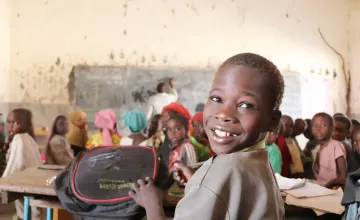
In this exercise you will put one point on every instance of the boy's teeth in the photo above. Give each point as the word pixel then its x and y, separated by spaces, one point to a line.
pixel 222 133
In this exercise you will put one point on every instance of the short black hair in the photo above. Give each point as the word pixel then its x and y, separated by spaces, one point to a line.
pixel 355 122
pixel 327 116
pixel 338 114
pixel 343 119
pixel 264 66
pixel 160 87
pixel 287 117
pixel 184 122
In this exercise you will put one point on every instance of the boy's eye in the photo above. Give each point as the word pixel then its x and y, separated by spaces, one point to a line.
pixel 245 105
pixel 215 99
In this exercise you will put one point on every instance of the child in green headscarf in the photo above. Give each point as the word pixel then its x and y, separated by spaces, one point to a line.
pixel 135 122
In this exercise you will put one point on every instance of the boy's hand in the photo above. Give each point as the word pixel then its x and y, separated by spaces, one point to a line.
pixel 183 173
pixel 146 194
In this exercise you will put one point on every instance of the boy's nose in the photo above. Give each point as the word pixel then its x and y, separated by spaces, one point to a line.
pixel 226 115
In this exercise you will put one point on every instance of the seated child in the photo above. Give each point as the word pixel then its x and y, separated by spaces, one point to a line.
pixel 135 122
pixel 181 148
pixel 23 151
pixel 330 155
pixel 356 148
pixel 273 149
pixel 296 166
pixel 168 111
pixel 341 131
pixel 199 138
pixel 153 125
pixel 105 120
pixel 285 153
pixel 2 145
pixel 58 150
pixel 238 182
pixel 77 135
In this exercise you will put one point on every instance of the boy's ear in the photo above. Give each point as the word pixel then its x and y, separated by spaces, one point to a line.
pixel 274 120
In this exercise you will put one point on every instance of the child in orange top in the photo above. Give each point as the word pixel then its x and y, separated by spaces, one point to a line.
pixel 181 148
pixel 330 155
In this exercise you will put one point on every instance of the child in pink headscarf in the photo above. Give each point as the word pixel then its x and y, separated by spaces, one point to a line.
pixel 105 120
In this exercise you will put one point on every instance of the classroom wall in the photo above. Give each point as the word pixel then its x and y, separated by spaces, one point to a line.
pixel 5 16
pixel 49 37
pixel 354 57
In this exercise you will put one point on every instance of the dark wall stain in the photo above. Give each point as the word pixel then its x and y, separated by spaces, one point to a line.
pixel 122 55
pixel 173 11
pixel 22 86
pixel 153 58
pixel 287 15
pixel 125 6
pixel 213 7
pixel 327 72
pixel 85 37
pixel 164 26
pixel 124 32
pixel 111 56
pixel 17 53
pixel 71 85
pixel 143 59
pixel 18 15
pixel 58 61
pixel 39 73
pixel 51 69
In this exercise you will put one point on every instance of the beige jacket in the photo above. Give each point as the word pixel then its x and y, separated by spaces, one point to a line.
pixel 237 186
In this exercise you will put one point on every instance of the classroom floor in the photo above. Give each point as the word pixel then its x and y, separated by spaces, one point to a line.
pixel 7 212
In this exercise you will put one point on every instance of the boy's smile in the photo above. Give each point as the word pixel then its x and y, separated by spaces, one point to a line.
pixel 239 109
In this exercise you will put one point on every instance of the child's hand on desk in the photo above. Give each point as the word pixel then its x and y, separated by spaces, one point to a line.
pixel 146 194
pixel 183 173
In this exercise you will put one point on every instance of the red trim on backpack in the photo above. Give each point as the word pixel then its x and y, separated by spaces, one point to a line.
pixel 108 200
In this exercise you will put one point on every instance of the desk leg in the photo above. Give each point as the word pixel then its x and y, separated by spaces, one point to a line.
pixel 49 214
pixel 26 208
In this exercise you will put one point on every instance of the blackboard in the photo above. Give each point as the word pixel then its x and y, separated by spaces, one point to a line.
pixel 123 88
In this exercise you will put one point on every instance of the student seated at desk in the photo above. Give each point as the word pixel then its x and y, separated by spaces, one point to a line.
pixel 23 151
pixel 135 122
pixel 105 120
pixel 199 138
pixel 182 149
pixel 330 155
pixel 77 136
pixel 273 149
pixel 2 145
pixel 237 183
pixel 58 150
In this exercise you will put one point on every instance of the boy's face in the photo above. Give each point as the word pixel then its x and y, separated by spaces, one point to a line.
pixel 239 109
pixel 321 129
pixel 175 132
pixel 299 127
pixel 165 116
pixel 270 137
pixel 340 131
pixel 13 125
pixel 288 126
pixel 62 126
pixel 356 140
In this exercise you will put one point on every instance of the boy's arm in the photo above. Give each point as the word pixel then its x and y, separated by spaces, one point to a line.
pixel 341 167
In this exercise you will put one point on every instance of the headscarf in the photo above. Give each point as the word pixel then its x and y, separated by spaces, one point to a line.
pixel 135 121
pixel 2 134
pixel 106 121
pixel 77 136
pixel 178 108
pixel 199 116
pixel 48 155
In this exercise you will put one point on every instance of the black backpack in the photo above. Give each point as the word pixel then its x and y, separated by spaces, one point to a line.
pixel 96 184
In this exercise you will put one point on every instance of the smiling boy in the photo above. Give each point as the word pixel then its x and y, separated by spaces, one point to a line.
pixel 237 183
